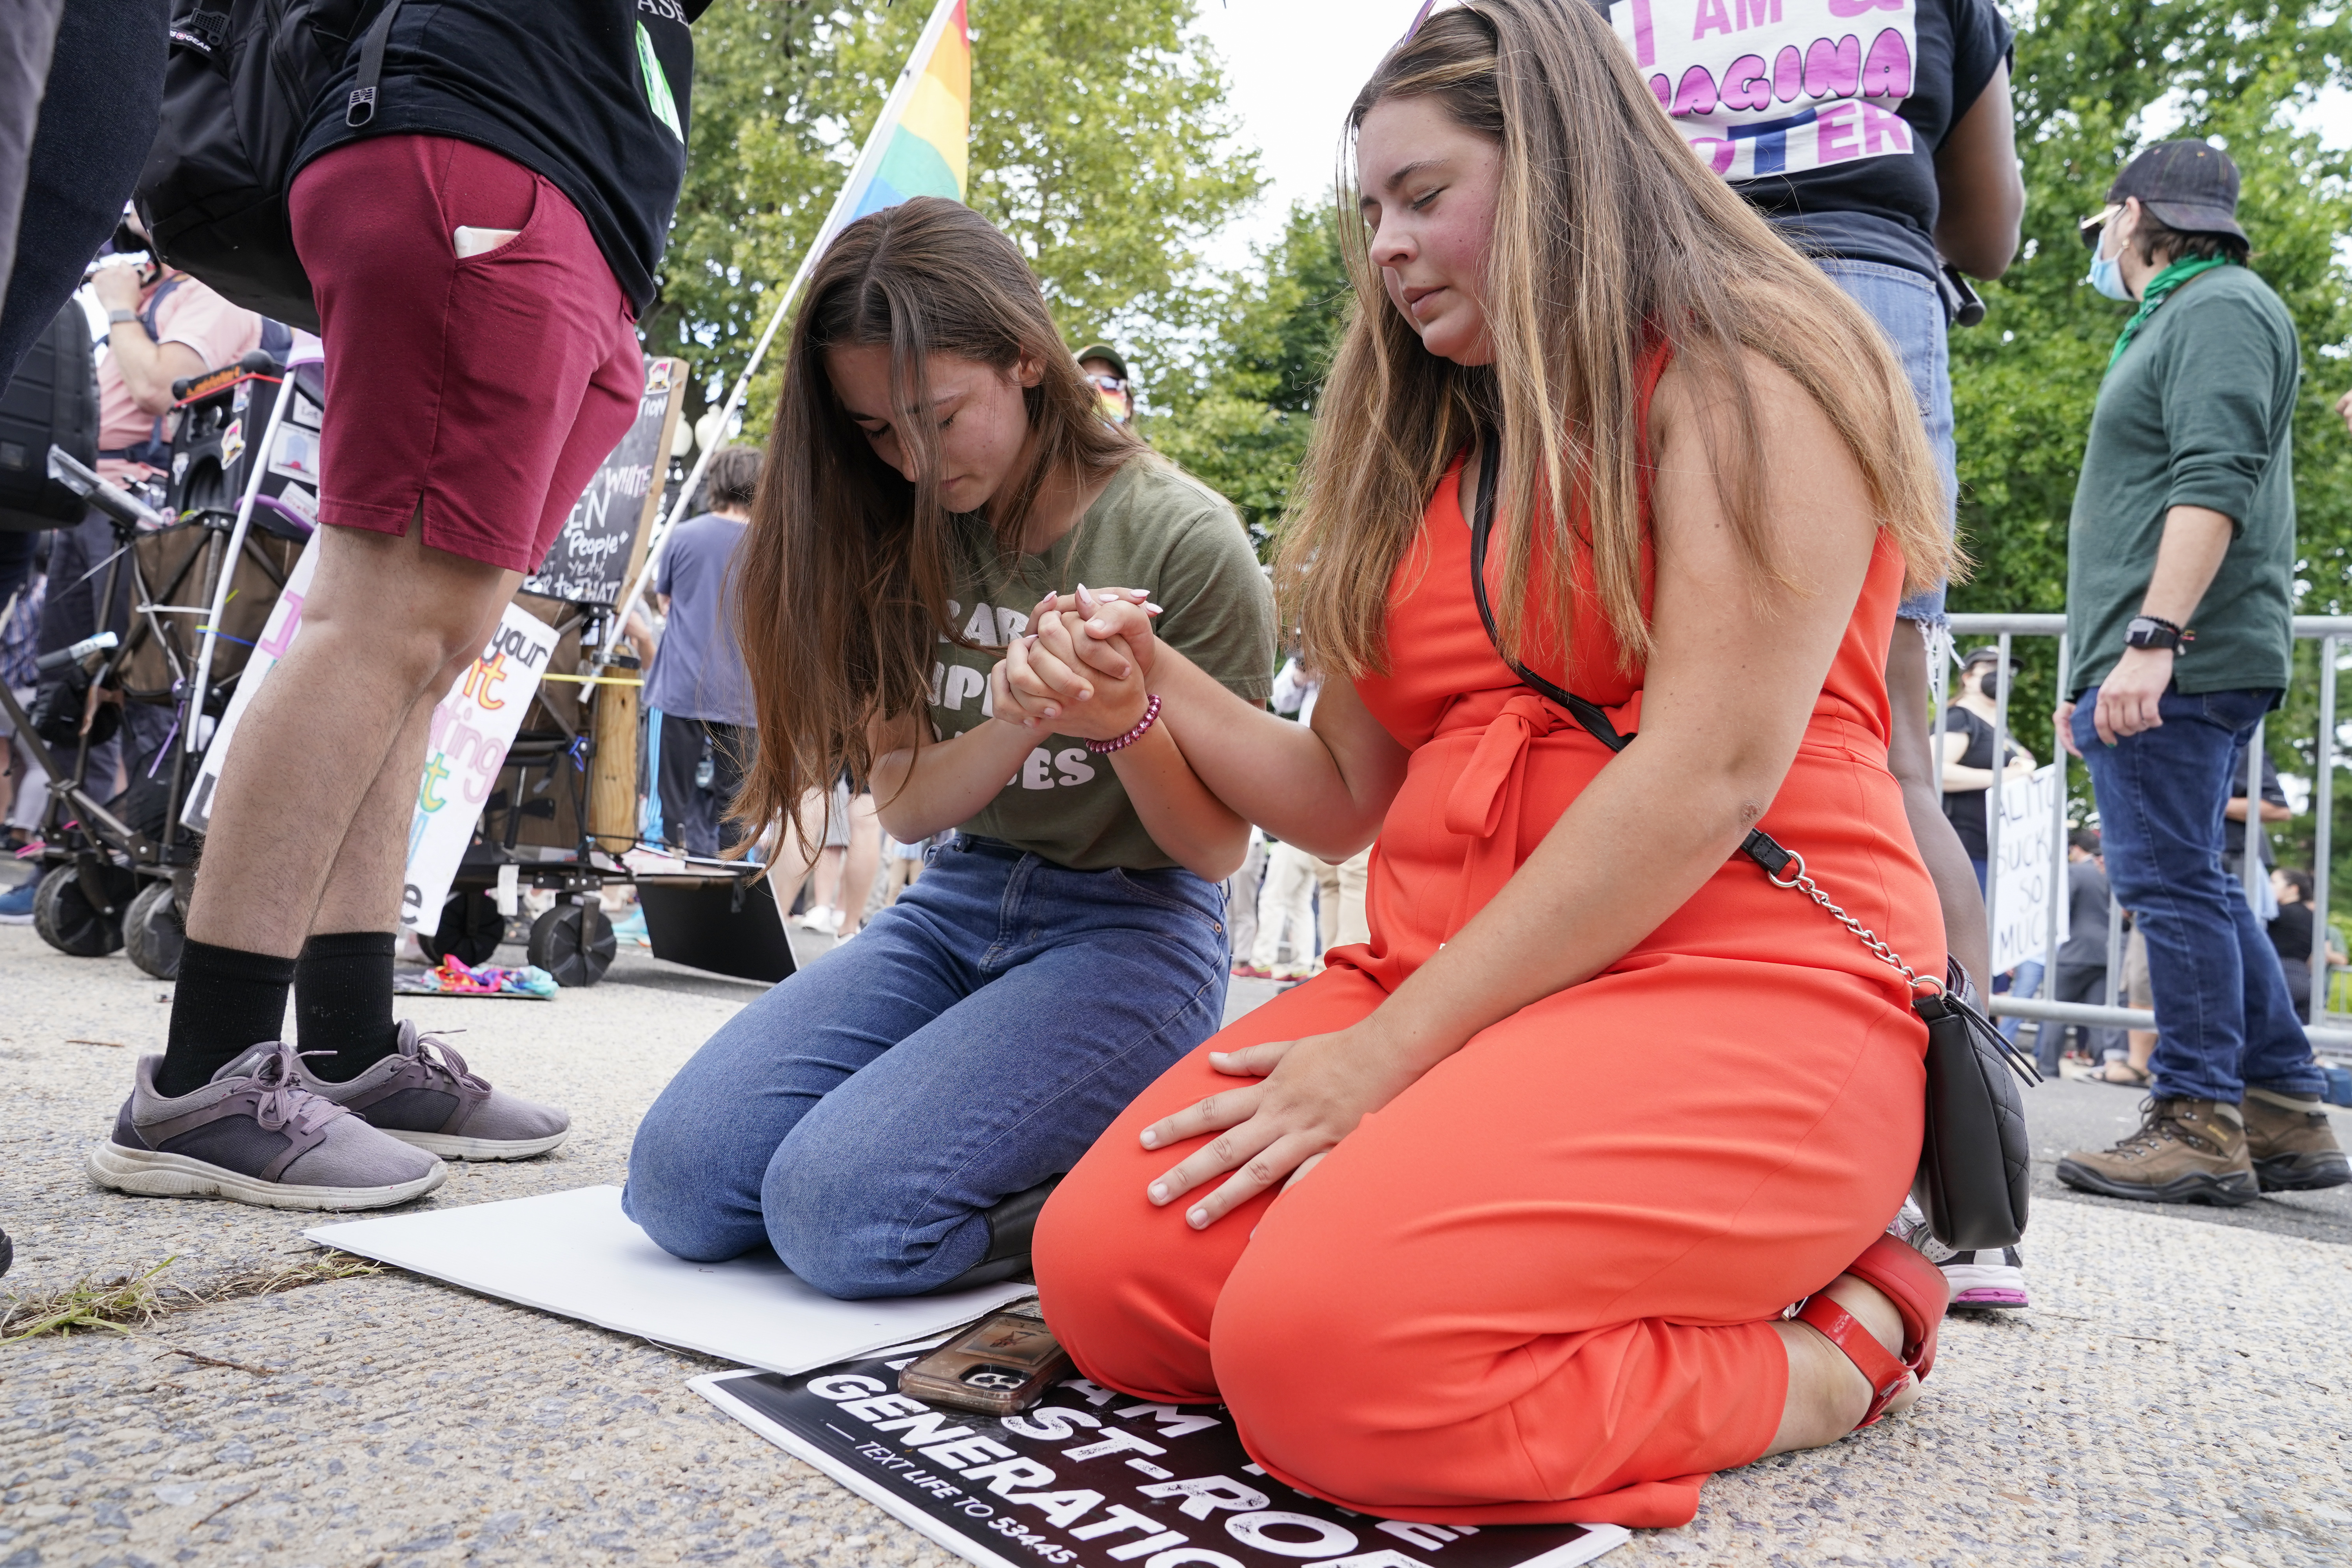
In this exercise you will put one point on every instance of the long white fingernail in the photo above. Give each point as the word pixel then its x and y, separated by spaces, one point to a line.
pixel 1151 609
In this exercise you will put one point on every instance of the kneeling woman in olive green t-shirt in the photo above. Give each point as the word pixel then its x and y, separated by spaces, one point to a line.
pixel 891 1118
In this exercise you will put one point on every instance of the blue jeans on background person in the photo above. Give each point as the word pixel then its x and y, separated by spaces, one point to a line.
pixel 1909 310
pixel 2025 983
pixel 2224 1020
pixel 972 1042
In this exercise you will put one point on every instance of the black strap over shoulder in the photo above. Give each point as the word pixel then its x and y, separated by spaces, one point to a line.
pixel 1760 847
pixel 360 106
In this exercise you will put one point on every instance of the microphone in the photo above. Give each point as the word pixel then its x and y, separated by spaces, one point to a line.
pixel 76 653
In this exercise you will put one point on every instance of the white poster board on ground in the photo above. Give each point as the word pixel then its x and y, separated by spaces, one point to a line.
pixel 2025 881
pixel 472 728
pixel 576 1255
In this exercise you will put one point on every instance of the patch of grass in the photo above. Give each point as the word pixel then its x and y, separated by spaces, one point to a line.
pixel 126 1303
pixel 85 1306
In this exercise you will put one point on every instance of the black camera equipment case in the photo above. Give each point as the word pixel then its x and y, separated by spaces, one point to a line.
pixel 52 401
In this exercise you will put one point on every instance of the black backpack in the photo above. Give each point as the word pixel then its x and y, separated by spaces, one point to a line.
pixel 52 401
pixel 239 86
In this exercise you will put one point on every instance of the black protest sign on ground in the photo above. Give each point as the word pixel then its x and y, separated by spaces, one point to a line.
pixel 1091 1478
pixel 601 542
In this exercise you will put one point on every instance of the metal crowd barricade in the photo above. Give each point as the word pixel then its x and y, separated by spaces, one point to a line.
pixel 2329 631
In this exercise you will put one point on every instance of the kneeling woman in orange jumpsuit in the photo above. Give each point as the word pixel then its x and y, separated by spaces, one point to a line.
pixel 1498 1220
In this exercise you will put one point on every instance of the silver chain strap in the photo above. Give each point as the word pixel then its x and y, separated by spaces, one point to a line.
pixel 1801 883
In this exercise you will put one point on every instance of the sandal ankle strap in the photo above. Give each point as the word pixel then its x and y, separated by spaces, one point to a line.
pixel 1887 1375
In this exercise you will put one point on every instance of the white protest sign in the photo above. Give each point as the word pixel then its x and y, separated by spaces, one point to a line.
pixel 2024 880
pixel 277 634
pixel 472 728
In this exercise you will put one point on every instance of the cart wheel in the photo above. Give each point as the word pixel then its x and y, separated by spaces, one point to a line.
pixel 152 931
pixel 67 922
pixel 574 942
pixel 471 928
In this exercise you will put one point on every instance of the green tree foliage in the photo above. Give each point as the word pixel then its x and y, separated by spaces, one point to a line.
pixel 2094 81
pixel 1097 142
pixel 1241 420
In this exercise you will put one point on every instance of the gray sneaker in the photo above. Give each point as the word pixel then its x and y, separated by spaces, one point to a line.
pixel 256 1134
pixel 423 1095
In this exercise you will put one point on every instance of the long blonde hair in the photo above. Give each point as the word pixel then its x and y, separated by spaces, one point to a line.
pixel 1611 239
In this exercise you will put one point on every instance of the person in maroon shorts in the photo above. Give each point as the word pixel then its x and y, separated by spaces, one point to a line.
pixel 479 250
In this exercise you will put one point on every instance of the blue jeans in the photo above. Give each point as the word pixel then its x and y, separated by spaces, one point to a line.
pixel 2224 1020
pixel 2026 984
pixel 972 1042
pixel 1910 311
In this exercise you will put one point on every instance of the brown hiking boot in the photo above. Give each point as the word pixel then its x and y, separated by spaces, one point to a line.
pixel 2185 1152
pixel 2292 1143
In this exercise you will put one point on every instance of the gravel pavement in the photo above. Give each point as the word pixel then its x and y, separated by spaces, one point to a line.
pixel 2181 1391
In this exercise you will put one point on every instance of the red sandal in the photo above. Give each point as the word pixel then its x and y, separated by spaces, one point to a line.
pixel 1920 1293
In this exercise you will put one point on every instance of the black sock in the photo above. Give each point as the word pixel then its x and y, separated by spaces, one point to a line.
pixel 224 1003
pixel 343 1002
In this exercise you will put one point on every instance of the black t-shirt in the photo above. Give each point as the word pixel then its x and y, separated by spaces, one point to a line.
pixel 1824 114
pixel 2290 931
pixel 590 94
pixel 1965 808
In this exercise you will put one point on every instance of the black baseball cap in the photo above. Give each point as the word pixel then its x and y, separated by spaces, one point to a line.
pixel 2190 185
pixel 1990 653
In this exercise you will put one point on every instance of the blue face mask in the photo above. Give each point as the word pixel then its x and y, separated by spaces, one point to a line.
pixel 2106 275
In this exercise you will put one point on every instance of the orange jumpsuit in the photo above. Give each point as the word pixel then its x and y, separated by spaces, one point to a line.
pixel 1538 1286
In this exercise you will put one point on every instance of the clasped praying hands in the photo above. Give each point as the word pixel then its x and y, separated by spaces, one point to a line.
pixel 1057 677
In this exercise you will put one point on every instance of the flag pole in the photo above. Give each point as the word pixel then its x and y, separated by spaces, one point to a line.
pixel 869 158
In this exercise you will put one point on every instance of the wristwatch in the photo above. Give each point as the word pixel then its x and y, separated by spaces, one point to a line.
pixel 2154 631
pixel 116 318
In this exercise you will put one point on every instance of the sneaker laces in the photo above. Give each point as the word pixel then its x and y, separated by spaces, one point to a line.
pixel 444 1059
pixel 283 1100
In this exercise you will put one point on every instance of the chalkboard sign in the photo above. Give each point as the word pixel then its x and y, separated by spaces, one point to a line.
pixel 602 542
pixel 1097 1480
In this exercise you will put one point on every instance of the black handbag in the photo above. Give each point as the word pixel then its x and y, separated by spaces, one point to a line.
pixel 1975 1171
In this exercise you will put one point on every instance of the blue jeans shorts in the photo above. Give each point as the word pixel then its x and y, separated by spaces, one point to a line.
pixel 1910 311
pixel 971 1042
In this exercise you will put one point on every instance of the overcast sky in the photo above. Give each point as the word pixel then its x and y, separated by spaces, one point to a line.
pixel 1295 66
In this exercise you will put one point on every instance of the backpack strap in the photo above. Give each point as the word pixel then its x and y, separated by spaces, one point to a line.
pixel 1759 845
pixel 360 108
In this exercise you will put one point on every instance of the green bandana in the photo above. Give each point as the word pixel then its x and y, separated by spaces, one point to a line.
pixel 2158 287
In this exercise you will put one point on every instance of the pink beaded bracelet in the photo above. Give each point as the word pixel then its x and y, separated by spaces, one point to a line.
pixel 1150 717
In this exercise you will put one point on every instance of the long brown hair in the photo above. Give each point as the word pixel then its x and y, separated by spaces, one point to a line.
pixel 846 568
pixel 1610 236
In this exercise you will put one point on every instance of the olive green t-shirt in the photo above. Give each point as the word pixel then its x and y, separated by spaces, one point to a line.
pixel 1155 528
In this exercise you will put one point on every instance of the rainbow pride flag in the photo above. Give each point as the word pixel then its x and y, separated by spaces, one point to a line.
pixel 919 146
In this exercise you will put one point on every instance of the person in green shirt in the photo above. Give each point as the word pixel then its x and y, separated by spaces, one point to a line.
pixel 891 1119
pixel 2180 570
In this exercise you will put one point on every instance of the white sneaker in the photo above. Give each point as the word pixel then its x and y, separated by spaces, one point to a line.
pixel 1986 1278
pixel 820 918
pixel 1977 1279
